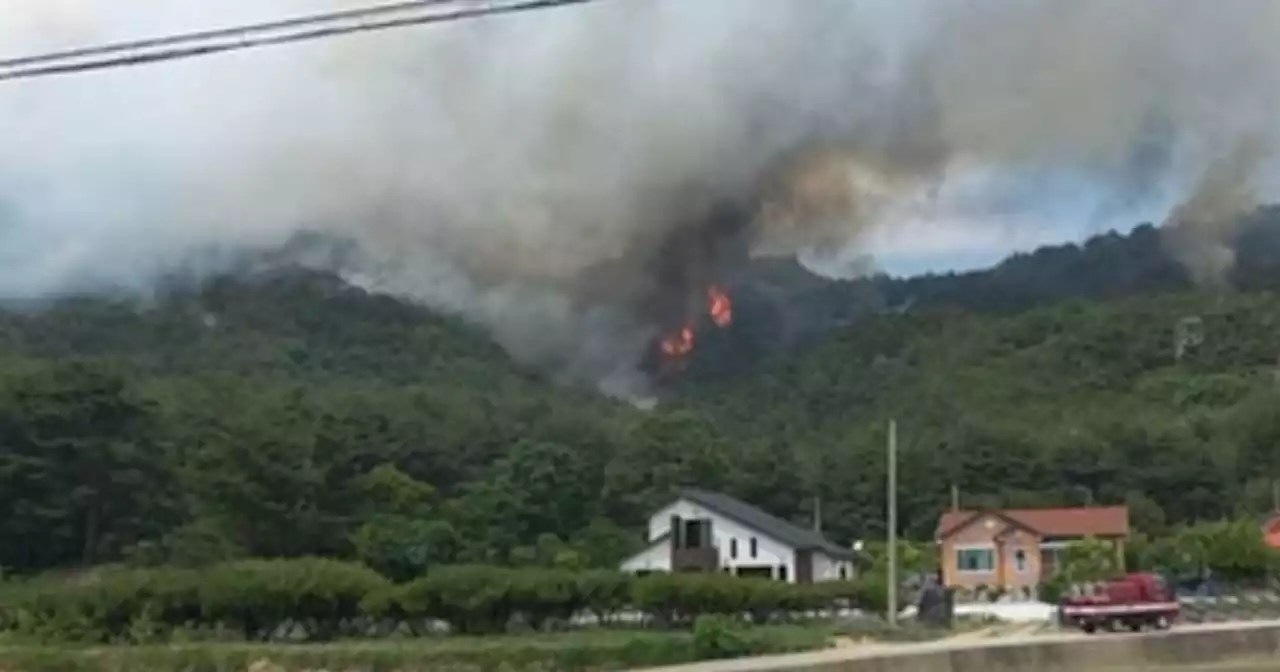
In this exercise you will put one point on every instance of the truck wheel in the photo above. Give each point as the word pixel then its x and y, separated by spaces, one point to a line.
pixel 1135 625
pixel 1088 627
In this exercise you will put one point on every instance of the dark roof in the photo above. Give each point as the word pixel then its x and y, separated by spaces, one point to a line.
pixel 771 526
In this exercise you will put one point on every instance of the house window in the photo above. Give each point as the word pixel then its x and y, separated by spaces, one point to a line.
pixel 1020 560
pixel 754 549
pixel 693 530
pixel 733 549
pixel 975 559
pixel 1049 558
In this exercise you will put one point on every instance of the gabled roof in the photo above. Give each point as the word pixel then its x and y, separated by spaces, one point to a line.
pixel 1085 521
pixel 797 537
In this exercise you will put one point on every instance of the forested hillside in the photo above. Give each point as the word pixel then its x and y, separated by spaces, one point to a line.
pixel 287 414
pixel 784 309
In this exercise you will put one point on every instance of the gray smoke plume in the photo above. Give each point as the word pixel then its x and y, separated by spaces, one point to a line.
pixel 572 178
pixel 1201 230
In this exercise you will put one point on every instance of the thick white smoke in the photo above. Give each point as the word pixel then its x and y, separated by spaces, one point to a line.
pixel 498 160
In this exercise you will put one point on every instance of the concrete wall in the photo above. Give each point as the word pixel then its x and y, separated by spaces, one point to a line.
pixel 1200 645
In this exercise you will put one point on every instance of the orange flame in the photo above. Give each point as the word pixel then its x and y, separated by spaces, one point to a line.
pixel 678 344
pixel 719 307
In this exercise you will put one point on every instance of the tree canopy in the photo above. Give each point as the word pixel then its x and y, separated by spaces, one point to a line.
pixel 287 414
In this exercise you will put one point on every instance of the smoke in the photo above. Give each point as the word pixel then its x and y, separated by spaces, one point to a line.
pixel 1202 229
pixel 569 178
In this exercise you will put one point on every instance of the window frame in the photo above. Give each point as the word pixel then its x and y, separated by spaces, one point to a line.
pixel 988 549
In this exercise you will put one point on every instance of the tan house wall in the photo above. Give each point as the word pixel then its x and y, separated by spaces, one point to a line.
pixel 977 534
pixel 1026 576
pixel 1006 542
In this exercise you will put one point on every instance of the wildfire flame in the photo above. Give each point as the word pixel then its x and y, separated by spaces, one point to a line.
pixel 678 345
pixel 719 307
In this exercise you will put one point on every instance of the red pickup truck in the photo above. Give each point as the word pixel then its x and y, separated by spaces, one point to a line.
pixel 1133 602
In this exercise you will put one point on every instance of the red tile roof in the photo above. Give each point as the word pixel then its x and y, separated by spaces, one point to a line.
pixel 1096 521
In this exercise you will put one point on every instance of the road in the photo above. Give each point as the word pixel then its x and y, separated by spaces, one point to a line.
pixel 817 659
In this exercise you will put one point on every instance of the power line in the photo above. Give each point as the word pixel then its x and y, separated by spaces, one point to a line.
pixel 189 45
pixel 366 12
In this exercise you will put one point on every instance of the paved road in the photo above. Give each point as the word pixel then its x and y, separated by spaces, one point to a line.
pixel 1256 666
pixel 829 656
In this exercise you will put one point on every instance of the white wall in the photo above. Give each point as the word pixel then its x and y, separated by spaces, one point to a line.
pixel 827 568
pixel 769 552
pixel 656 558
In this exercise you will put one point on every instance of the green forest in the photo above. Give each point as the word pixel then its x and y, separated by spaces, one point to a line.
pixel 287 414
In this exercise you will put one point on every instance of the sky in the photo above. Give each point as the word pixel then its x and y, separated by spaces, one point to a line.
pixel 521 172
pixel 1049 206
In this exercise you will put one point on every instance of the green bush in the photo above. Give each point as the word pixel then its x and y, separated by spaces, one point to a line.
pixel 1054 589
pixel 482 600
pixel 318 600
pixel 719 637
pixel 605 592
pixel 257 597
pixel 471 599
pixel 680 598
pixel 870 592
pixel 595 650
pixel 260 597
pixel 104 607
pixel 545 595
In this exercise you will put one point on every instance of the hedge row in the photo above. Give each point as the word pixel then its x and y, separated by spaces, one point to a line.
pixel 318 600
pixel 255 598
pixel 583 651
pixel 477 600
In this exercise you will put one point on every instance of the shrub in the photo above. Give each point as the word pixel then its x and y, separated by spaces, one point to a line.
pixel 263 600
pixel 871 592
pixel 545 595
pixel 104 607
pixel 576 651
pixel 1054 589
pixel 260 597
pixel 719 637
pixel 472 599
pixel 605 592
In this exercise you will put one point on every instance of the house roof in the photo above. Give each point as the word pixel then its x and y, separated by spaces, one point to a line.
pixel 1085 521
pixel 797 537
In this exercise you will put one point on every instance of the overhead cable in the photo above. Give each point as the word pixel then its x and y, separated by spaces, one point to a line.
pixel 317 26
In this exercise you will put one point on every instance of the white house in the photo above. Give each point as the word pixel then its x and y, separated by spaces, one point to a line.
pixel 709 531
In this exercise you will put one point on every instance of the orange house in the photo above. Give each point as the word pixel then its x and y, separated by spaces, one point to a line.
pixel 1271 531
pixel 1015 549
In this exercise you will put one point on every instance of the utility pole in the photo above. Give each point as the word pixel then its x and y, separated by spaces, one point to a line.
pixel 893 523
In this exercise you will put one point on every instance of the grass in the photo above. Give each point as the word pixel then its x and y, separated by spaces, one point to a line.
pixel 594 651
